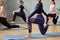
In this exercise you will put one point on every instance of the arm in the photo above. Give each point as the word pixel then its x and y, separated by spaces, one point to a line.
pixel 36 10
pixel 46 16
pixel 33 13
pixel 2 9
pixel 26 10
pixel 44 13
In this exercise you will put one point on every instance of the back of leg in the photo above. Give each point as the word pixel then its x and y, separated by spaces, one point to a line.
pixel 40 23
pixel 23 16
pixel 5 23
pixel 55 20
pixel 14 16
pixel 41 28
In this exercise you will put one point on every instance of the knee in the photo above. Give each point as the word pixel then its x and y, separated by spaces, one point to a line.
pixel 28 21
pixel 14 14
pixel 43 33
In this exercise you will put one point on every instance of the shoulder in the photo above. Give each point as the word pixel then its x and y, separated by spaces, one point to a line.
pixel 21 6
pixel 2 7
pixel 41 4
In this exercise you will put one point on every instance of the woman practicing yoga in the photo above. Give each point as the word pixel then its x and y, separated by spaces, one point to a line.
pixel 3 19
pixel 38 20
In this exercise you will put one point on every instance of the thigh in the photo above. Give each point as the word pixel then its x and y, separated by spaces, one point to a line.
pixel 21 14
pixel 17 14
pixel 4 21
pixel 37 21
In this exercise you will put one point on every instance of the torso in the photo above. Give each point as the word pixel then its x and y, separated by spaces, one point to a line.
pixel 39 11
pixel 21 7
pixel 1 11
pixel 52 9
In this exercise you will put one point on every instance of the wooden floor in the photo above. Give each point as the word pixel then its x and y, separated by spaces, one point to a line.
pixel 35 31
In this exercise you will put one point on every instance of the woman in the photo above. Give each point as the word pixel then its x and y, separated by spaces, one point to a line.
pixel 38 20
pixel 52 13
pixel 3 20
pixel 20 11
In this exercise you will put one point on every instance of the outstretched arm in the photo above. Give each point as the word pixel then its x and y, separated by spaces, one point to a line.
pixel 45 13
pixel 27 10
pixel 36 10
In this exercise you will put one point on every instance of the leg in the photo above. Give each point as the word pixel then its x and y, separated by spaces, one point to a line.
pixel 37 21
pixel 40 23
pixel 47 19
pixel 15 14
pixel 32 20
pixel 29 23
pixel 23 16
pixel 55 19
pixel 5 23
pixel 43 29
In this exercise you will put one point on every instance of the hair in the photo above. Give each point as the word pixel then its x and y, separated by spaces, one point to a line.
pixel 20 1
pixel 39 0
pixel 2 3
pixel 53 1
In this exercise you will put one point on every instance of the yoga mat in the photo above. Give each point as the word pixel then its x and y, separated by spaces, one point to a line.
pixel 34 36
pixel 18 23
pixel 54 25
pixel 21 28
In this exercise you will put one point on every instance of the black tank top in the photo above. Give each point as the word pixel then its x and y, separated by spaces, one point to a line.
pixel 21 7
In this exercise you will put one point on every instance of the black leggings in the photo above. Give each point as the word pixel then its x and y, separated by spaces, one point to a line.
pixel 5 23
pixel 40 21
pixel 54 18
pixel 21 14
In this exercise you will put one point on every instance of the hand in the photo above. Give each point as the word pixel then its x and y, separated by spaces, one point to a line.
pixel 27 20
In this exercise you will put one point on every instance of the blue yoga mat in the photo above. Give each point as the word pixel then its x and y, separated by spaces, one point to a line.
pixel 34 36
pixel 54 25
pixel 53 34
pixel 14 37
pixel 18 23
pixel 21 28
pixel 24 23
